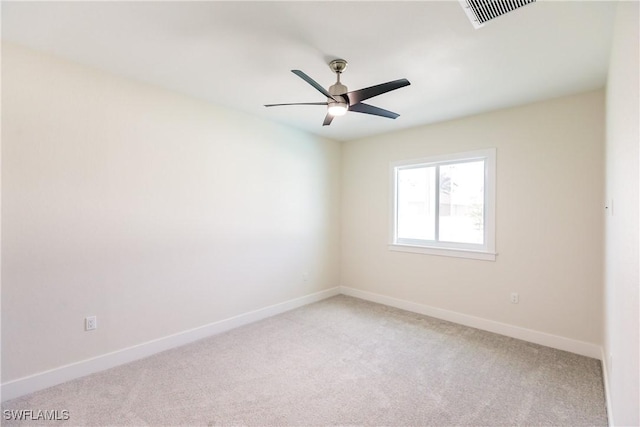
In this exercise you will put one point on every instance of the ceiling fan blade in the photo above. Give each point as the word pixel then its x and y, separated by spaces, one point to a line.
pixel 313 83
pixel 327 120
pixel 359 95
pixel 370 109
pixel 297 103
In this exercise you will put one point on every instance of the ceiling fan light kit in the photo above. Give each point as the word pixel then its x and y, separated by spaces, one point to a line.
pixel 337 109
pixel 340 100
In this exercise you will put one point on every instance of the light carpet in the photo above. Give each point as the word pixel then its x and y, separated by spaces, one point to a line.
pixel 341 361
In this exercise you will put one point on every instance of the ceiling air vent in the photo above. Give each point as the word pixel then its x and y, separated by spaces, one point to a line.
pixel 481 11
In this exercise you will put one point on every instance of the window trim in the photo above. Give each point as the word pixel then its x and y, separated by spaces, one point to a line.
pixel 460 250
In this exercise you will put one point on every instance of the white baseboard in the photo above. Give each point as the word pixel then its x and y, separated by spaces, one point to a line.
pixel 42 380
pixel 542 338
pixel 607 391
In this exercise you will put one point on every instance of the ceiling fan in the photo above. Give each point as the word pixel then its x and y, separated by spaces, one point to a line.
pixel 339 100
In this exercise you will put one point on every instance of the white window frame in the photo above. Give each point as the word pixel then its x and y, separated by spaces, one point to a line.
pixel 484 251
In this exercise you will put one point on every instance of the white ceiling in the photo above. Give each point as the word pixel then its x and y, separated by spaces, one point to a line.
pixel 239 54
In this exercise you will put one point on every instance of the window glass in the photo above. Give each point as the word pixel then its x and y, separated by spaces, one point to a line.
pixel 462 202
pixel 417 203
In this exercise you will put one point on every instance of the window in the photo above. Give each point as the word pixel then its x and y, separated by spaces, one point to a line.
pixel 445 205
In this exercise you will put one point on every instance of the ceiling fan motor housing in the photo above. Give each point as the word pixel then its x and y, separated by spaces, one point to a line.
pixel 340 105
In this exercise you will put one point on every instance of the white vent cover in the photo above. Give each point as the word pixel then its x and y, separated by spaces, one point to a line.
pixel 481 11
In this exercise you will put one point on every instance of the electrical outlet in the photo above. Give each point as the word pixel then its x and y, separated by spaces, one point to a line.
pixel 515 298
pixel 90 323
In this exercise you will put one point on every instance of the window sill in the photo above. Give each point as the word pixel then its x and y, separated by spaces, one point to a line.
pixel 458 253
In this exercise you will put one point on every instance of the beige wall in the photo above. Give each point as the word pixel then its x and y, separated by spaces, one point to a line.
pixel 622 280
pixel 550 175
pixel 155 212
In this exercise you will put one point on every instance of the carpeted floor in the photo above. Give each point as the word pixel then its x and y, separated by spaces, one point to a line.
pixel 342 361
